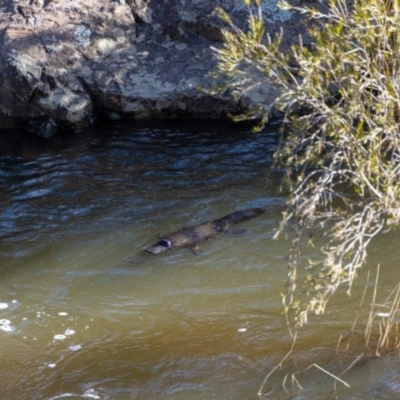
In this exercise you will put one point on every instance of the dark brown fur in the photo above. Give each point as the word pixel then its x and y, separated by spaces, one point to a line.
pixel 195 234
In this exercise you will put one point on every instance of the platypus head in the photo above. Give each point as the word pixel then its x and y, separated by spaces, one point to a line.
pixel 160 247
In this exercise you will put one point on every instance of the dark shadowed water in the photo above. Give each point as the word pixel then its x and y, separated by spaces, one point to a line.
pixel 85 314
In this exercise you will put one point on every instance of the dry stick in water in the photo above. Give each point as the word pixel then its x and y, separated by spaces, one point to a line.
pixel 327 372
pixel 348 368
pixel 260 391
pixel 389 323
pixel 295 381
pixel 370 318
pixel 333 376
pixel 388 319
pixel 361 303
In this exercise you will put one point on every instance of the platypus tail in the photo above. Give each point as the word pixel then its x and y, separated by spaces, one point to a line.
pixel 225 223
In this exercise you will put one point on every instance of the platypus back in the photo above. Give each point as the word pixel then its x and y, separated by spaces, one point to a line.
pixel 196 234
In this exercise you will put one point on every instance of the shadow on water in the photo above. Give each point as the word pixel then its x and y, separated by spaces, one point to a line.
pixel 84 313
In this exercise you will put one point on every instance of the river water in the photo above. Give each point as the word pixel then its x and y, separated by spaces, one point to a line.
pixel 86 314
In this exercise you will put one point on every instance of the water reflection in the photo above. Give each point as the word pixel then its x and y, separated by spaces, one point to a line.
pixel 90 316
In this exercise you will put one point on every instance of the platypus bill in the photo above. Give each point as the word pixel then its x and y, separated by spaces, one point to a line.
pixel 191 236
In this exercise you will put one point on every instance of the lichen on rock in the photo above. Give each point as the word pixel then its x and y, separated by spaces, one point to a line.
pixel 70 61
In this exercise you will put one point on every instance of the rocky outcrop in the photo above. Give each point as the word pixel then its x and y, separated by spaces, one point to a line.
pixel 65 62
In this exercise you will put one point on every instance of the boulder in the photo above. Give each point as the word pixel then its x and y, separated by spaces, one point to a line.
pixel 63 63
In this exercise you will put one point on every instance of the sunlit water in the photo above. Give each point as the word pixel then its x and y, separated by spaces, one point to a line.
pixel 86 314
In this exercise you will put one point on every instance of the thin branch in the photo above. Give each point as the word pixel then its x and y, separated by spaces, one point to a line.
pixel 260 391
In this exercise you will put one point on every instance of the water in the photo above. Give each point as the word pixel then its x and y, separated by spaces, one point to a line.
pixel 86 314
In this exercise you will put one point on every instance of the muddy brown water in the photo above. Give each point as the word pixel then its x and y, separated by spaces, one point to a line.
pixel 86 314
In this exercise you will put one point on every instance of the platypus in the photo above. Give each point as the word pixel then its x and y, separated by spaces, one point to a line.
pixel 193 235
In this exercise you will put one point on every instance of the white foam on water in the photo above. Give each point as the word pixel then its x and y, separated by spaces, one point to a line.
pixel 91 394
pixel 51 365
pixel 88 394
pixel 62 314
pixel 7 328
pixel 61 396
pixel 69 332
pixel 3 306
pixel 75 347
pixel 59 337
pixel 242 330
pixel 4 322
pixel 383 314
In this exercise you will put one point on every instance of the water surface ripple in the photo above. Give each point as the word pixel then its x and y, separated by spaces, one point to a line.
pixel 85 314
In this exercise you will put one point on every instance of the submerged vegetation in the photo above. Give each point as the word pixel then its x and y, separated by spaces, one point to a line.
pixel 340 144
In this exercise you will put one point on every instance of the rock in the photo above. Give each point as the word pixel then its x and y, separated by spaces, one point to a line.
pixel 64 62
pixel 142 10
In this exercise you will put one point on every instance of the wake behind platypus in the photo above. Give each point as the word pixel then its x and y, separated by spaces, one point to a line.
pixel 192 236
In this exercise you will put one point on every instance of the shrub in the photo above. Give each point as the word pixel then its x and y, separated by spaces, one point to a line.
pixel 340 143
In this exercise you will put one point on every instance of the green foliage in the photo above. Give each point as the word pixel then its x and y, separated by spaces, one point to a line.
pixel 340 144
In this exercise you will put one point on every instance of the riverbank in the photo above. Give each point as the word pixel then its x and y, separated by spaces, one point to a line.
pixel 65 64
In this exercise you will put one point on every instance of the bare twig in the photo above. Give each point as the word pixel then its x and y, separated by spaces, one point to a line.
pixel 260 391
